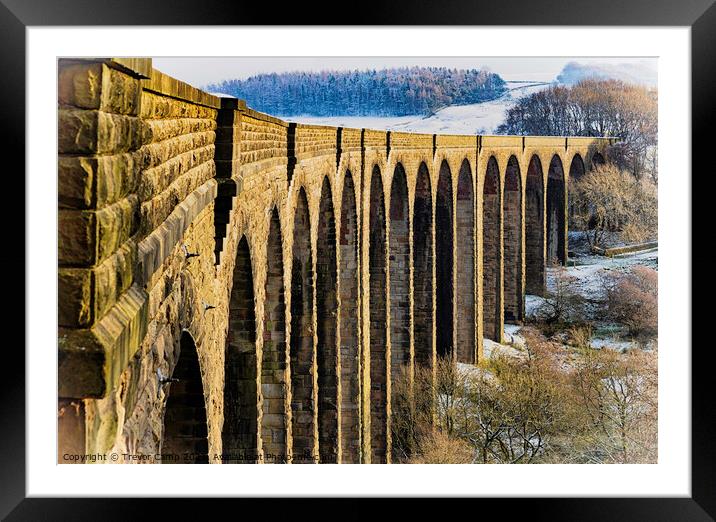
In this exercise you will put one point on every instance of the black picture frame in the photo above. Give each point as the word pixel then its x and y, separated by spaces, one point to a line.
pixel 699 15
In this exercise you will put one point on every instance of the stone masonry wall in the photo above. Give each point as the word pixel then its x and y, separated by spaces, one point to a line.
pixel 242 289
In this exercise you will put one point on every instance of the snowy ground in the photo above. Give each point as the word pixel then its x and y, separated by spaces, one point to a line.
pixel 479 118
pixel 587 271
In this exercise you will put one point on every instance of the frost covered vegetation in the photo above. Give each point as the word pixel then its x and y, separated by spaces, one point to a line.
pixel 594 108
pixel 608 202
pixel 577 383
pixel 544 402
pixel 386 92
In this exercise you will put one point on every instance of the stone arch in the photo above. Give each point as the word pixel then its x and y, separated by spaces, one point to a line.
pixel 465 276
pixel 576 171
pixel 556 251
pixel 350 368
pixel 378 316
pixel 301 342
pixel 534 228
pixel 185 431
pixel 239 432
pixel 597 159
pixel 491 252
pixel 576 168
pixel 444 263
pixel 512 242
pixel 273 360
pixel 326 316
pixel 399 267
pixel 423 269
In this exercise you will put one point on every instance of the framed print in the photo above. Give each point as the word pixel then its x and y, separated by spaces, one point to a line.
pixel 429 243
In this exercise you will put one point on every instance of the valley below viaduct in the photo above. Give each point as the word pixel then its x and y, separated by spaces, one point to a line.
pixel 237 288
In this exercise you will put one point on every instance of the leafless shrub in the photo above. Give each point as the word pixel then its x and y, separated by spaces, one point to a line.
pixel 580 336
pixel 564 303
pixel 632 299
pixel 436 447
pixel 617 396
pixel 601 406
pixel 609 199
pixel 412 411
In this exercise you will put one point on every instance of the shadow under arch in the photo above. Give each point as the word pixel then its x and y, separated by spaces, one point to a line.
pixel 491 252
pixel 556 213
pixel 239 431
pixel 423 269
pixel 399 266
pixel 273 360
pixel 326 319
pixel 348 284
pixel 301 347
pixel 576 172
pixel 534 228
pixel 512 242
pixel 377 311
pixel 465 276
pixel 185 431
pixel 597 159
pixel 444 263
pixel 399 297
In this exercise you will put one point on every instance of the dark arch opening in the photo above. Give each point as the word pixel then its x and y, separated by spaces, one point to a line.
pixel 273 361
pixel 576 171
pixel 534 229
pixel 512 242
pixel 185 429
pixel 350 378
pixel 326 310
pixel 399 260
pixel 443 263
pixel 239 432
pixel 301 343
pixel 465 285
pixel 399 266
pixel 378 316
pixel 597 159
pixel 556 252
pixel 491 252
pixel 423 269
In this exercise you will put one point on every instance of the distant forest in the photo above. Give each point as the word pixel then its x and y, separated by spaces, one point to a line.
pixel 388 92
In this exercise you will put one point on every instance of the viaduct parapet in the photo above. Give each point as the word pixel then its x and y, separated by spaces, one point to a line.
pixel 237 288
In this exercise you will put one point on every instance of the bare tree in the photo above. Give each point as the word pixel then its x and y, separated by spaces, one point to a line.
pixel 594 107
pixel 608 199
pixel 618 395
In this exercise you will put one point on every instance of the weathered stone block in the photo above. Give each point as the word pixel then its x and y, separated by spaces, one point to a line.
pixel 96 181
pixel 121 94
pixel 76 242
pixel 95 85
pixel 90 361
pixel 95 132
pixel 75 287
pixel 115 225
pixel 80 85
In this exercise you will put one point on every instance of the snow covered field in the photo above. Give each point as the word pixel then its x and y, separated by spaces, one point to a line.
pixel 586 271
pixel 478 118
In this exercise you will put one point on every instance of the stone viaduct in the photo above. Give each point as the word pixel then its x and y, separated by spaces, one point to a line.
pixel 236 288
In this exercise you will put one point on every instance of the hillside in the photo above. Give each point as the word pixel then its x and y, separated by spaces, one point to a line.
pixel 474 118
pixel 387 92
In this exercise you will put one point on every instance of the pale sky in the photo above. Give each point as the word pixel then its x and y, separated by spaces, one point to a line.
pixel 201 71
